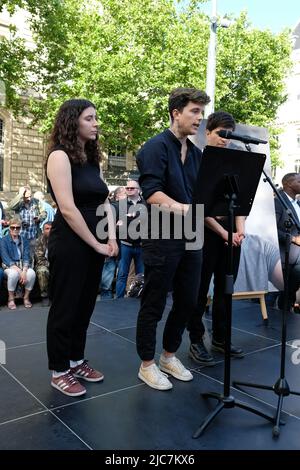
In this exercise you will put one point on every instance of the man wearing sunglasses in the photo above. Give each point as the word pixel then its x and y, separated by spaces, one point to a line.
pixel 130 249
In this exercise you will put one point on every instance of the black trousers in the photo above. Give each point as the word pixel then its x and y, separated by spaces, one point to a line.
pixel 75 271
pixel 214 263
pixel 168 266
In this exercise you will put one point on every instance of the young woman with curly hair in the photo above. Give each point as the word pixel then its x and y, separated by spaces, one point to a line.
pixel 75 253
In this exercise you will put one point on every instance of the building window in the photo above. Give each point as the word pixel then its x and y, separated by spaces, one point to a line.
pixel 1 152
pixel 297 166
pixel 117 158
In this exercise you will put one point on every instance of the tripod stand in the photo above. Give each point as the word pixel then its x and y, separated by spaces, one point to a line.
pixel 281 386
pixel 226 400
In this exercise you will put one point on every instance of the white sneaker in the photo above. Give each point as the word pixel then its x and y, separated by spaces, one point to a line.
pixel 174 367
pixel 153 377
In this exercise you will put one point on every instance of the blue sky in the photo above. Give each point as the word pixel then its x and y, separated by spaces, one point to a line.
pixel 263 14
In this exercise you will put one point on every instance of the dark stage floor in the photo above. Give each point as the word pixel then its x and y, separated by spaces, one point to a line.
pixel 122 412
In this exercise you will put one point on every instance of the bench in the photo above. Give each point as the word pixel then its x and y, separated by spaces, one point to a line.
pixel 260 294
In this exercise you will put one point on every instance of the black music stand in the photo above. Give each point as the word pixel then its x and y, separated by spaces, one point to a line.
pixel 281 387
pixel 226 185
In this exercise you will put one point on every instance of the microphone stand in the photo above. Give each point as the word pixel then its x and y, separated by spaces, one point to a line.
pixel 225 399
pixel 281 386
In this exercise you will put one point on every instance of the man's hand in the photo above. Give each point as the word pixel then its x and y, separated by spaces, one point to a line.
pixel 22 190
pixel 296 240
pixel 176 207
pixel 113 247
pixel 23 278
pixel 102 249
pixel 16 268
pixel 236 240
pixel 242 236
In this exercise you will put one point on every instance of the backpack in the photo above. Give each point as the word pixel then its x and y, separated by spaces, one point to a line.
pixel 136 286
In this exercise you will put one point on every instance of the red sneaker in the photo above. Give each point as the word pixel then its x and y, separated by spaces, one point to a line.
pixel 85 372
pixel 68 385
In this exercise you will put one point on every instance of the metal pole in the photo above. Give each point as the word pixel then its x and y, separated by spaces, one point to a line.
pixel 211 60
pixel 2 93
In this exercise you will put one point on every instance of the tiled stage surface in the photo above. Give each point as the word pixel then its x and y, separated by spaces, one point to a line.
pixel 123 413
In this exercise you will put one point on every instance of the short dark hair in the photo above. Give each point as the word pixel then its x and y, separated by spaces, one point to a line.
pixel 220 119
pixel 180 97
pixel 288 177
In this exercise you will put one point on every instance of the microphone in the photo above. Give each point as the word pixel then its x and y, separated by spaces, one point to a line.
pixel 226 134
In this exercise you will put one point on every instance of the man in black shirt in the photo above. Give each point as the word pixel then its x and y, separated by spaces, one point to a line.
pixel 168 164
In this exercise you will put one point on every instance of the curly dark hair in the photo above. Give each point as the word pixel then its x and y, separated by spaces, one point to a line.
pixel 65 132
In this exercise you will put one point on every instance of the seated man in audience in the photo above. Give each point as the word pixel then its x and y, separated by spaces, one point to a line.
pixel 289 191
pixel 42 263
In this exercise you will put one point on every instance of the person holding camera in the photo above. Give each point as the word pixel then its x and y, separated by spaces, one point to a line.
pixel 31 214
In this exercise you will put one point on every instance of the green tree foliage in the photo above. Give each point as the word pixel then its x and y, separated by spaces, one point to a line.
pixel 251 69
pixel 126 55
pixel 22 68
pixel 12 70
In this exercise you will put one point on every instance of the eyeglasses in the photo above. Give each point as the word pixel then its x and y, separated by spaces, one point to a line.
pixel 129 188
pixel 15 227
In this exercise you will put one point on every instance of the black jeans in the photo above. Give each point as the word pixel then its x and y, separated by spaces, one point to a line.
pixel 214 263
pixel 168 266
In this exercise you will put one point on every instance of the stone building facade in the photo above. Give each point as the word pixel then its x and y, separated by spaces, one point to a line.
pixel 22 155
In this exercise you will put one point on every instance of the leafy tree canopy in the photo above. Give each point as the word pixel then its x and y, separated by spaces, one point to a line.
pixel 126 56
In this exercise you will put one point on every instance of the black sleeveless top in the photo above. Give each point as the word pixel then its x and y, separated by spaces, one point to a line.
pixel 89 191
